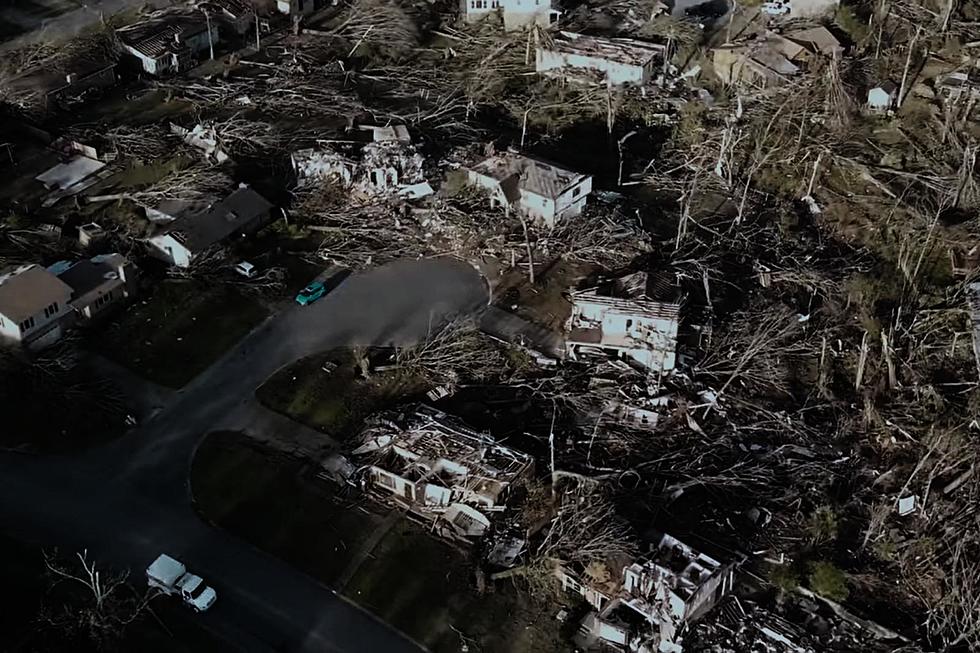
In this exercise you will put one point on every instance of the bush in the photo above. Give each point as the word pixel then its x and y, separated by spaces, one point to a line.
pixel 784 577
pixel 828 581
pixel 822 525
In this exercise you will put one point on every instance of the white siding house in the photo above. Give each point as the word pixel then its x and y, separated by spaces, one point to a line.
pixel 541 190
pixel 517 14
pixel 882 97
pixel 592 58
pixel 33 303
pixel 636 329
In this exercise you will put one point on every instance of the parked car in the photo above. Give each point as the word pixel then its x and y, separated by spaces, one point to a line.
pixel 311 293
pixel 246 269
pixel 170 576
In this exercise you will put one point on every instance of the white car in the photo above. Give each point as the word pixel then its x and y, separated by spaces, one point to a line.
pixel 170 576
pixel 246 269
pixel 195 593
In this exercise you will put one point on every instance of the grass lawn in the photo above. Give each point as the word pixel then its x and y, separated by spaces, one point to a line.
pixel 179 331
pixel 420 585
pixel 335 402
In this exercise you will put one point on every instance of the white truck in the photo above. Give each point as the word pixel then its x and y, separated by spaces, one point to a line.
pixel 171 577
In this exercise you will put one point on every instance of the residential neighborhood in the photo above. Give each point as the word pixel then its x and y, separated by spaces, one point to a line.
pixel 517 326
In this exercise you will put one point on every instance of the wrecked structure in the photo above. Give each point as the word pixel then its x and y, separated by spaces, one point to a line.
pixel 638 330
pixel 647 602
pixel 517 14
pixel 241 213
pixel 388 163
pixel 543 191
pixel 774 57
pixel 615 61
pixel 423 460
pixel 169 42
pixel 800 8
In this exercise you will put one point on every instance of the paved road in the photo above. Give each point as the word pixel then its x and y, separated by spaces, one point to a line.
pixel 37 26
pixel 128 501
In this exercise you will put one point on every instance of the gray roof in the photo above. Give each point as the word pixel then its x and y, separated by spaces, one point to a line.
pixel 88 274
pixel 27 291
pixel 238 212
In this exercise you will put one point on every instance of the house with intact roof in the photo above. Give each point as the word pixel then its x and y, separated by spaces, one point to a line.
pixel 33 305
pixel 238 215
pixel 97 283
pixel 540 190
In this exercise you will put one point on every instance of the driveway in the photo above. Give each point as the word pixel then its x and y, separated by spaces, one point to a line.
pixel 128 500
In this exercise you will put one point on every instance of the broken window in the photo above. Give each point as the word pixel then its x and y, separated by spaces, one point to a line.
pixel 385 480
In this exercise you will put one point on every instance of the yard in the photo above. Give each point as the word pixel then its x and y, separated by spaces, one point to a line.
pixel 383 562
pixel 335 402
pixel 179 331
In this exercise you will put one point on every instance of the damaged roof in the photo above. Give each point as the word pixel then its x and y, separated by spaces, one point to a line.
pixel 161 34
pixel 629 52
pixel 219 221
pixel 517 172
pixel 634 307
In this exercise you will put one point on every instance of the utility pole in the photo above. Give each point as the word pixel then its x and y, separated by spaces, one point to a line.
pixel 257 43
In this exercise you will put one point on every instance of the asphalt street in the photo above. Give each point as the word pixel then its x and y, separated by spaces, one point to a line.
pixel 129 500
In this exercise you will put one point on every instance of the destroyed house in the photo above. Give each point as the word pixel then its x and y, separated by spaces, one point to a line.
pixel 240 214
pixel 591 58
pixel 960 84
pixel 235 16
pixel 440 470
pixel 641 331
pixel 169 42
pixel 542 191
pixel 759 64
pixel 655 597
pixel 516 14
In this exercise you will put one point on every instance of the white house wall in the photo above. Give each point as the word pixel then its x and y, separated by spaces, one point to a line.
pixel 517 14
pixel 171 251
pixel 616 72
pixel 9 330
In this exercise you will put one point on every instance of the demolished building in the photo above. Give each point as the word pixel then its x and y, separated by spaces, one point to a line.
pixel 387 164
pixel 541 190
pixel 440 470
pixel 647 602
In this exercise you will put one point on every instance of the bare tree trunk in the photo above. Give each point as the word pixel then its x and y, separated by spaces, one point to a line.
pixel 905 71
pixel 530 252
pixel 859 377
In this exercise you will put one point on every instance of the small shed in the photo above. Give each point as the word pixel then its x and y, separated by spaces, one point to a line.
pixel 883 96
